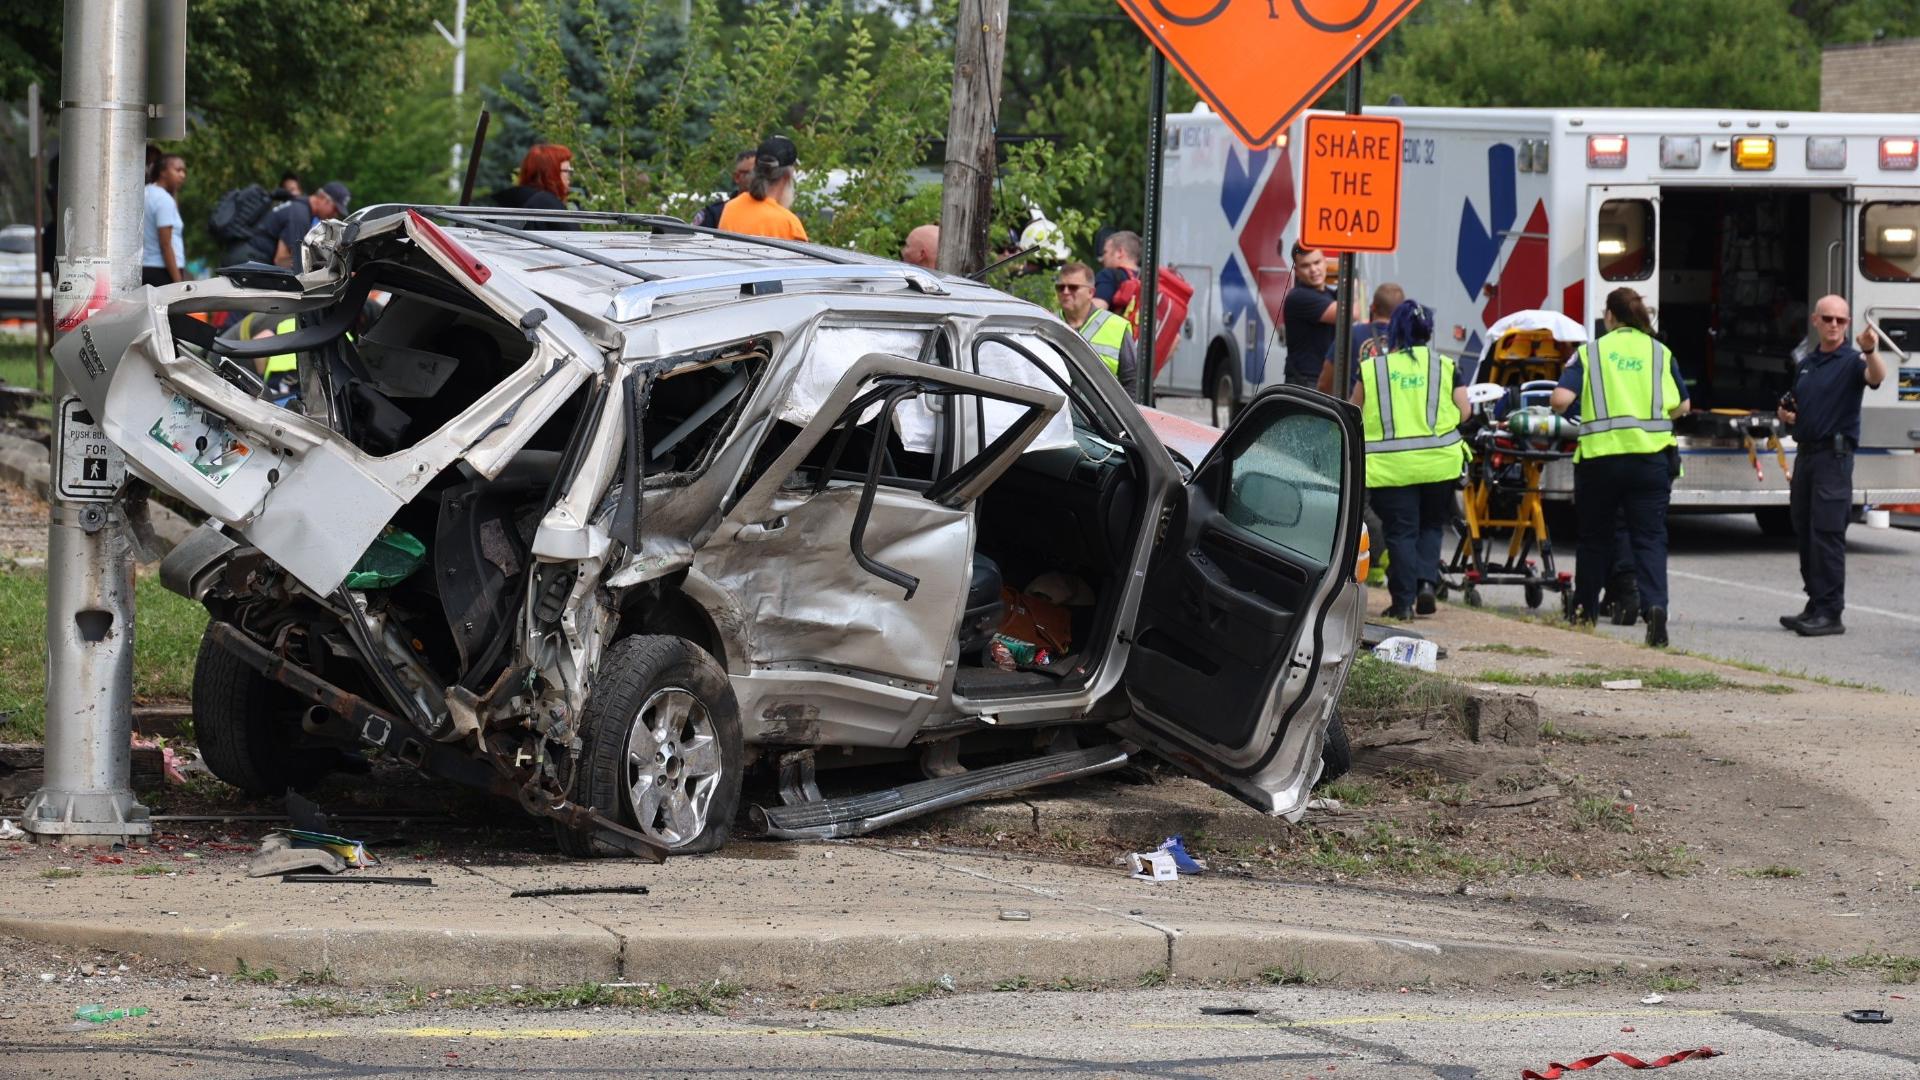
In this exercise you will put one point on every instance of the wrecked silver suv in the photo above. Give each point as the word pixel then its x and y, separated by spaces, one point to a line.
pixel 609 521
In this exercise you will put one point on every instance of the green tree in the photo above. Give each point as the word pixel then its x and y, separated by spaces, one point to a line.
pixel 1752 54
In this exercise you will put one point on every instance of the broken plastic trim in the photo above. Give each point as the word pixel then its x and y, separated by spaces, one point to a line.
pixel 635 302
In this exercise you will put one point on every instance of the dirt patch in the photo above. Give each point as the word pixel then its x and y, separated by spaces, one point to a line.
pixel 23 523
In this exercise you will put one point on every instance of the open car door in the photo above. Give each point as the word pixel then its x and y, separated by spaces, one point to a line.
pixel 1250 617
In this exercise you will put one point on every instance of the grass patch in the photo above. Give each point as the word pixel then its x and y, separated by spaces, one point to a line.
pixel 1156 977
pixel 59 873
pixel 1508 650
pixel 1790 673
pixel 16 369
pixel 1577 977
pixel 709 998
pixel 166 638
pixel 245 974
pixel 1378 688
pixel 1382 849
pixel 148 870
pixel 1660 678
pixel 1895 969
pixel 1667 862
pixel 1771 872
pixel 1673 984
pixel 1602 813
pixel 1551 730
pixel 1018 982
pixel 885 999
pixel 1292 976
pixel 1824 965
pixel 333 1006
pixel 1349 791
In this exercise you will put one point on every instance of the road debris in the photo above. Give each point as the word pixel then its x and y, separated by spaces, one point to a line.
pixel 10 831
pixel 1228 1010
pixel 100 1014
pixel 1868 1016
pixel 1620 684
pixel 278 856
pixel 1409 652
pixel 1555 1070
pixel 1182 861
pixel 579 890
pixel 1153 866
pixel 1650 999
pixel 1009 914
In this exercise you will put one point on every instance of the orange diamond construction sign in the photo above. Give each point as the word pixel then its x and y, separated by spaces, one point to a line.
pixel 1260 62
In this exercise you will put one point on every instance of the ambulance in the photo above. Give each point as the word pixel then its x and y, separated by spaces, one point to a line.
pixel 1729 223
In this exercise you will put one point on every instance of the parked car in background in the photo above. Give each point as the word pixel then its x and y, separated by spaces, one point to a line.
pixel 16 272
pixel 621 522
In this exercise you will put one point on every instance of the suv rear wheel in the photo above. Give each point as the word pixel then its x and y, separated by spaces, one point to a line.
pixel 248 726
pixel 1223 387
pixel 661 750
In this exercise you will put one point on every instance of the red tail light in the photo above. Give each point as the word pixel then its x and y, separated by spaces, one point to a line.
pixel 451 248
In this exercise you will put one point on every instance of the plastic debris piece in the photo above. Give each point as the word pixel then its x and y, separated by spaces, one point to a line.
pixel 1228 1010
pixel 1409 652
pixel 352 852
pixel 100 1014
pixel 1011 914
pixel 1650 999
pixel 1153 866
pixel 10 831
pixel 1325 804
pixel 1182 861
pixel 394 556
pixel 1868 1016
pixel 351 879
pixel 1620 684
pixel 1555 1070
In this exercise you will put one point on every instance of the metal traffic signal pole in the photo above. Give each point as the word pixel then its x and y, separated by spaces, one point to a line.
pixel 104 123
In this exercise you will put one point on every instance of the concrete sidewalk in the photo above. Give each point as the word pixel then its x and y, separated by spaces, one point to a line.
pixel 810 916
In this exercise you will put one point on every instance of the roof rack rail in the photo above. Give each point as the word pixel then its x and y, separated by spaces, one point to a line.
pixel 635 302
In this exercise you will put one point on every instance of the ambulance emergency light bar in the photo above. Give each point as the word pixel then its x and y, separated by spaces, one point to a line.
pixel 1900 153
pixel 1607 151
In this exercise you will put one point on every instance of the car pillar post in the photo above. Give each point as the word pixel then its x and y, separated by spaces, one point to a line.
pixel 87 796
pixel 1343 323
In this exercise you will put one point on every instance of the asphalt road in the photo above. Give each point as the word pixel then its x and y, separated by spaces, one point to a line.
pixel 1297 1032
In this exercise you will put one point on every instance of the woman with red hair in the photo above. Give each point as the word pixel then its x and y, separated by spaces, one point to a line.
pixel 546 173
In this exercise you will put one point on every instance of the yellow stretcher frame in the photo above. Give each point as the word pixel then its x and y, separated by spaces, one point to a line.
pixel 1519 357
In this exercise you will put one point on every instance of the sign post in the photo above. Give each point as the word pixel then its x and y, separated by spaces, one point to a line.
pixel 1350 200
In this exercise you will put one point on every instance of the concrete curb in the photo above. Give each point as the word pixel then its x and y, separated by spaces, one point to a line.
pixel 855 959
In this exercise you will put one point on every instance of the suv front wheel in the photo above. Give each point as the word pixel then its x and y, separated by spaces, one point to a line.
pixel 661 746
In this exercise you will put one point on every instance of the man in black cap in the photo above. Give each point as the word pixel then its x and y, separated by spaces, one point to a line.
pixel 277 237
pixel 762 209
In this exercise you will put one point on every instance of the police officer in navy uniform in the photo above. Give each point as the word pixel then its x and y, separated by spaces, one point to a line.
pixel 1823 410
pixel 1628 388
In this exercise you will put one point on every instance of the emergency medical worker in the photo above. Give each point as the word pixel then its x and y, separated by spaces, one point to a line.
pixel 1824 410
pixel 1629 389
pixel 1108 332
pixel 1414 452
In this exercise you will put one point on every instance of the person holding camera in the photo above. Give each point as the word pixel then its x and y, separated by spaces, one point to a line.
pixel 1628 389
pixel 1823 412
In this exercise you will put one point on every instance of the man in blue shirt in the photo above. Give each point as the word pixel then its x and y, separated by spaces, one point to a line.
pixel 163 251
pixel 1823 409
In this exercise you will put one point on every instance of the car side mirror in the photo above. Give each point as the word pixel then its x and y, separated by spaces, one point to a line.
pixel 1266 500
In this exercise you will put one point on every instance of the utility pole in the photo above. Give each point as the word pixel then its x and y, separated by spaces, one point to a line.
pixel 457 37
pixel 108 108
pixel 966 200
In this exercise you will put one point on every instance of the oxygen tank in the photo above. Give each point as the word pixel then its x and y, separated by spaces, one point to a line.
pixel 1541 428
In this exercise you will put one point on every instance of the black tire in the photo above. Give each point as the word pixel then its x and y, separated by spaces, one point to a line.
pixel 1336 753
pixel 632 677
pixel 1775 521
pixel 1471 596
pixel 1223 389
pixel 1536 595
pixel 248 726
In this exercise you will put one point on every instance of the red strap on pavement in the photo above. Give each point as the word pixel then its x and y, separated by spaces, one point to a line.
pixel 1556 1069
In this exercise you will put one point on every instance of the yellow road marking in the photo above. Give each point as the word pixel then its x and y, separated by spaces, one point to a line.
pixel 434 1032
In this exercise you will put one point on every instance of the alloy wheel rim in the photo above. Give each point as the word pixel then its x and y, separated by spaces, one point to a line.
pixel 673 766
